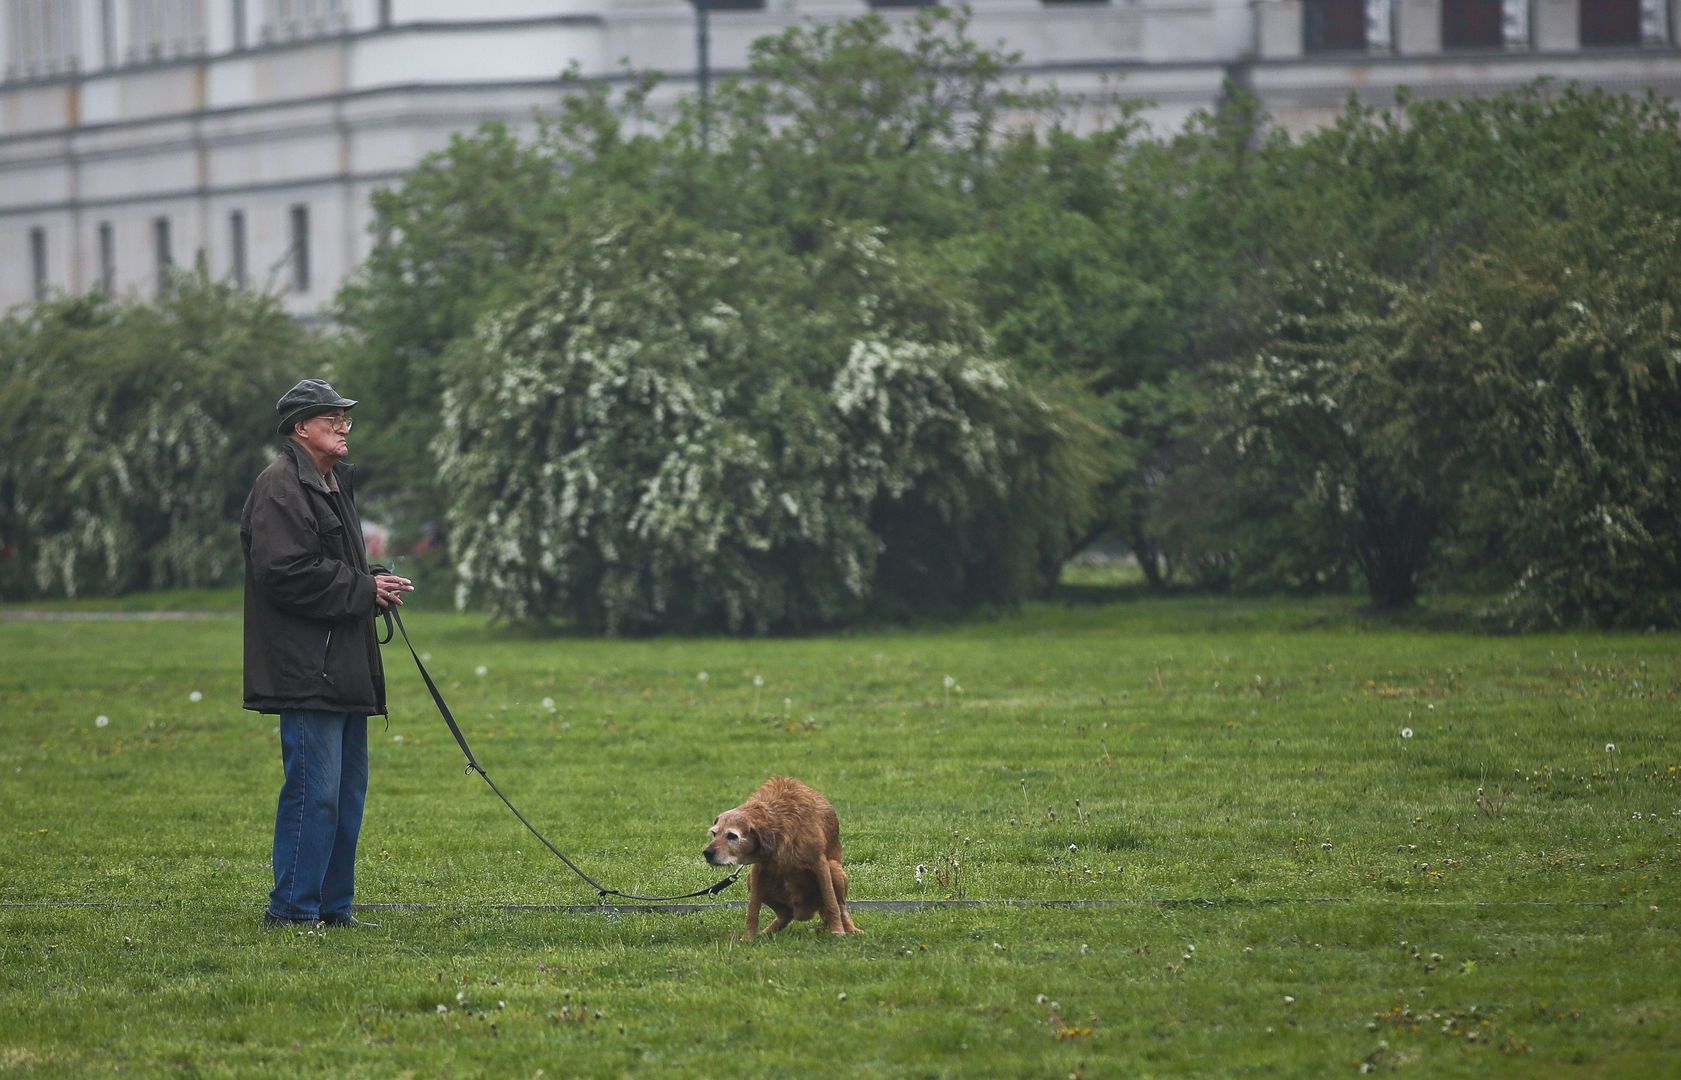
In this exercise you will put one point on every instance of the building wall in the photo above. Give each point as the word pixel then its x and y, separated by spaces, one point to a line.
pixel 125 112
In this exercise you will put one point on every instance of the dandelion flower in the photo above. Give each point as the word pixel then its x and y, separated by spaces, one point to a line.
pixel 758 680
pixel 442 1008
pixel 1610 748
pixel 195 697
pixel 1073 847
pixel 102 720
pixel 702 677
pixel 1289 1000
pixel 921 869
pixel 548 703
pixel 950 682
pixel 841 996
pixel 481 671
pixel 396 738
pixel 1406 733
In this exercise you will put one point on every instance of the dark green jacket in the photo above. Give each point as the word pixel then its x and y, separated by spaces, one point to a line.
pixel 309 598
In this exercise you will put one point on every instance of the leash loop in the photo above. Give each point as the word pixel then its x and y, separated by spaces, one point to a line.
pixel 473 765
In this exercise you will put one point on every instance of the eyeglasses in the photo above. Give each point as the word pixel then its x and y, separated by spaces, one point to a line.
pixel 340 423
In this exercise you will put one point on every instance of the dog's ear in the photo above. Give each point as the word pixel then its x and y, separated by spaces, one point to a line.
pixel 765 840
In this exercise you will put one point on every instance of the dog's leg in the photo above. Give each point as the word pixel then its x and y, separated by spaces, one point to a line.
pixel 784 915
pixel 755 896
pixel 839 877
pixel 834 916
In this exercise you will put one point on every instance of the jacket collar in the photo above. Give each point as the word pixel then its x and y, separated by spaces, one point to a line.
pixel 307 475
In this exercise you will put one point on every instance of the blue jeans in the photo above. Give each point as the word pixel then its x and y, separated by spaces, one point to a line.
pixel 325 755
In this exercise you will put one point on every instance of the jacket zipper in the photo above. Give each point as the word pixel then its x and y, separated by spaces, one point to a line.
pixel 325 649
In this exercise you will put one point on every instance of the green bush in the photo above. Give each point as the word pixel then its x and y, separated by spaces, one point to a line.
pixel 1551 362
pixel 135 432
pixel 668 435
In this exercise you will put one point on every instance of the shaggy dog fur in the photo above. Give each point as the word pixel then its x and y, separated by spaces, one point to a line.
pixel 790 836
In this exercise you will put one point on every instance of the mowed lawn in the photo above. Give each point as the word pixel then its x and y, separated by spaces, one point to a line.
pixel 1301 841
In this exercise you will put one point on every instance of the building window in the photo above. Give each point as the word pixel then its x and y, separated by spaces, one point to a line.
pixel 107 259
pixel 165 29
pixel 1610 22
pixel 236 249
pixel 108 33
pixel 300 248
pixel 42 38
pixel 1472 24
pixel 290 20
pixel 1334 25
pixel 162 256
pixel 38 261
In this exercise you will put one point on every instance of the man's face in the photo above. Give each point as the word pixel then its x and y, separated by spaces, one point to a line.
pixel 325 434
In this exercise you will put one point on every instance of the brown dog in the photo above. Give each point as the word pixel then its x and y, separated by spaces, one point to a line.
pixel 790 836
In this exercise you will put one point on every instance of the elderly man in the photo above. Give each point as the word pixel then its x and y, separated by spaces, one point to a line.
pixel 311 654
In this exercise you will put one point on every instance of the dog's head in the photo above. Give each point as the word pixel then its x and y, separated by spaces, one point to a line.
pixel 739 837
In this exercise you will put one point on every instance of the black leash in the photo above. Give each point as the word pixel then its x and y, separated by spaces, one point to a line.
pixel 474 766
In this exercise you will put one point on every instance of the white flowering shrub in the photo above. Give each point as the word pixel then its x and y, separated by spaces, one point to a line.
pixel 134 432
pixel 664 436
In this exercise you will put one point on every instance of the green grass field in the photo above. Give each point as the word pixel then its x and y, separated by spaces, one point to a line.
pixel 1279 880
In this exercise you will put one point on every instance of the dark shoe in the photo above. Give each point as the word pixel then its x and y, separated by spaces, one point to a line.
pixel 270 919
pixel 349 922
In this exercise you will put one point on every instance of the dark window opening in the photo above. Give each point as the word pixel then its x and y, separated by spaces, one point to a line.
pixel 1334 25
pixel 163 256
pixel 38 261
pixel 236 249
pixel 1610 22
pixel 1472 24
pixel 107 259
pixel 300 248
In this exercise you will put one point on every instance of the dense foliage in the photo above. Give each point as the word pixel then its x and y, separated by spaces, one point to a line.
pixel 645 442
pixel 703 383
pixel 134 431
pixel 1259 322
pixel 873 330
pixel 1471 359
pixel 1554 355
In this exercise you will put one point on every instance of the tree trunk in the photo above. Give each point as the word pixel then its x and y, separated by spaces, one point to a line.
pixel 1392 545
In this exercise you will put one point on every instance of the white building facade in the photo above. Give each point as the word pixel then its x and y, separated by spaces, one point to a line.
pixel 137 135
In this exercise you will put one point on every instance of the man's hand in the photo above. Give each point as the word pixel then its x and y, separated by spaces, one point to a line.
pixel 389 590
